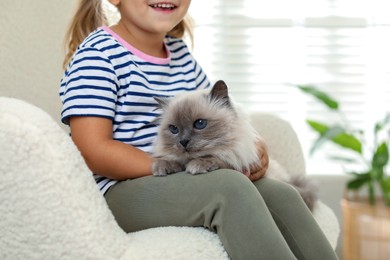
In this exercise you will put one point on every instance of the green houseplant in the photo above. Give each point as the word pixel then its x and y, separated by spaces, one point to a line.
pixel 373 157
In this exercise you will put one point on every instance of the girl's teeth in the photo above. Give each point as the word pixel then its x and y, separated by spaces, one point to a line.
pixel 165 6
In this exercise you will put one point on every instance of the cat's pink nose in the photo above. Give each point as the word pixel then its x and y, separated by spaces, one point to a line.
pixel 184 142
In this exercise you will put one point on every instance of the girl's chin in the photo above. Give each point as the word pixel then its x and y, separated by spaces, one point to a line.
pixel 163 27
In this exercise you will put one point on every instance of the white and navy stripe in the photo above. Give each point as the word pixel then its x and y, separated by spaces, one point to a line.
pixel 109 78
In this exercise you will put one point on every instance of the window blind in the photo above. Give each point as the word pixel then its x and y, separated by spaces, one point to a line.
pixel 263 48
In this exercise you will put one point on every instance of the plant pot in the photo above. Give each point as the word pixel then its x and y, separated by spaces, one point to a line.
pixel 366 230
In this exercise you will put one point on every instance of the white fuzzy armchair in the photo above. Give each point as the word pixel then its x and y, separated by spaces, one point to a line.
pixel 50 207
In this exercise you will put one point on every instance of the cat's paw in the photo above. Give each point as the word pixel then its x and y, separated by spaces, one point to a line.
pixel 202 165
pixel 163 167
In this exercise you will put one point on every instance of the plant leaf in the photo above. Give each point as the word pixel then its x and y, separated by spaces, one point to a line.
pixel 336 134
pixel 381 124
pixel 359 180
pixel 348 141
pixel 371 192
pixel 385 185
pixel 342 159
pixel 316 144
pixel 381 156
pixel 321 129
pixel 321 96
pixel 317 126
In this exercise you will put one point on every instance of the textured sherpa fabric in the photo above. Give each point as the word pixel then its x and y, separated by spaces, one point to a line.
pixel 50 206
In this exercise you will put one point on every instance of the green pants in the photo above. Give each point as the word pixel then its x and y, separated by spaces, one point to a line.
pixel 266 219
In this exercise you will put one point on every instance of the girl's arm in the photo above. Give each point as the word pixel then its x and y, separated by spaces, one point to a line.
pixel 105 156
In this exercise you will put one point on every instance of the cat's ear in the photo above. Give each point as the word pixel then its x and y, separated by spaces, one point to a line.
pixel 162 102
pixel 220 92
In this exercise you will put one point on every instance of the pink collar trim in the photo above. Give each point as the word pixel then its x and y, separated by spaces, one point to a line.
pixel 137 52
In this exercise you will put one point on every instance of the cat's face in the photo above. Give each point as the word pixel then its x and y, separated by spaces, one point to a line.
pixel 197 124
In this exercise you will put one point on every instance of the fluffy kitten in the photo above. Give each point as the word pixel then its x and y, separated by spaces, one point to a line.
pixel 201 131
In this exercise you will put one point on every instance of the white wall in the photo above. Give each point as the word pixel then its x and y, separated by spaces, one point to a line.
pixel 31 50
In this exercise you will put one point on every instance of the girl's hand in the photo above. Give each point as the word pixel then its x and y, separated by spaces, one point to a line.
pixel 258 171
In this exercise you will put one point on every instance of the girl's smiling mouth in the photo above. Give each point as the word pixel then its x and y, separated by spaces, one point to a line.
pixel 163 6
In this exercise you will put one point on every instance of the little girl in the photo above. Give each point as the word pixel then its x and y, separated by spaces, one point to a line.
pixel 112 74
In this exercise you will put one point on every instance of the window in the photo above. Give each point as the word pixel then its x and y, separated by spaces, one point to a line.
pixel 262 48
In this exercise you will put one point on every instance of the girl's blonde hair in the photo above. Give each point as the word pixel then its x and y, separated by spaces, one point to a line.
pixel 90 15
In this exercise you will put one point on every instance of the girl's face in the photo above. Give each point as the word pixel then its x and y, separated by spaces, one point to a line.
pixel 152 16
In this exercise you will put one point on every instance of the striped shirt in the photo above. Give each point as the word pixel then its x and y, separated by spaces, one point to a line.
pixel 109 78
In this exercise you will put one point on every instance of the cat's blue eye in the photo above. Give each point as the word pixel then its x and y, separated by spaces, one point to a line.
pixel 174 130
pixel 200 123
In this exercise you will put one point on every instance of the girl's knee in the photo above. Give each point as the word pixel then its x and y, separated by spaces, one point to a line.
pixel 277 192
pixel 233 184
pixel 230 178
pixel 285 189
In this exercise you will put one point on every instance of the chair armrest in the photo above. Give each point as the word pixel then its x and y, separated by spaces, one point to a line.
pixel 282 141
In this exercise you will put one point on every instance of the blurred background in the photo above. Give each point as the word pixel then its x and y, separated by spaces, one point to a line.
pixel 263 48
